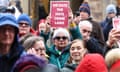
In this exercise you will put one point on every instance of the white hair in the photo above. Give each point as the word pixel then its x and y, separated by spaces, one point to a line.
pixel 85 23
pixel 61 30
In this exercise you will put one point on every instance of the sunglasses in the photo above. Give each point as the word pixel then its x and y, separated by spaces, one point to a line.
pixel 25 24
pixel 63 38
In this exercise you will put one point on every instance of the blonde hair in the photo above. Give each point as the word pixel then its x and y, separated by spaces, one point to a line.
pixel 112 56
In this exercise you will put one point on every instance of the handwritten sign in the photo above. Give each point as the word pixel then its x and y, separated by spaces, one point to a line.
pixel 116 23
pixel 59 13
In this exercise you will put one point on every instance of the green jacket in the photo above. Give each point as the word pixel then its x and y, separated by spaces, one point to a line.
pixel 58 59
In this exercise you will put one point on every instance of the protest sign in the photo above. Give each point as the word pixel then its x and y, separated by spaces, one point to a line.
pixel 59 13
pixel 116 23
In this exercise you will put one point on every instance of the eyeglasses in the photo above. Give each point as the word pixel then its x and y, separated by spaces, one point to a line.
pixel 41 49
pixel 63 38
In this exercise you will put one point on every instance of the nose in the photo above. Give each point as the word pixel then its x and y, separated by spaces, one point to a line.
pixel 61 38
pixel 6 31
pixel 23 25
pixel 75 50
pixel 86 34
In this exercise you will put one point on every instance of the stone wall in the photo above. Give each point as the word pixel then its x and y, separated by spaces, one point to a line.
pixel 98 8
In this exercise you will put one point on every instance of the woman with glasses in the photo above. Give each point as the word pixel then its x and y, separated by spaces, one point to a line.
pixel 59 52
pixel 35 45
pixel 35 52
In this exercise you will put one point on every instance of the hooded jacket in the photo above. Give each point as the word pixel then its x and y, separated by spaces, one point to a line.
pixel 92 63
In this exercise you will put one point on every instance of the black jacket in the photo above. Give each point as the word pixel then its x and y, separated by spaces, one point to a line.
pixel 7 61
pixel 94 46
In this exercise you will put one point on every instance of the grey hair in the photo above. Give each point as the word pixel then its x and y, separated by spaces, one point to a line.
pixel 61 30
pixel 29 42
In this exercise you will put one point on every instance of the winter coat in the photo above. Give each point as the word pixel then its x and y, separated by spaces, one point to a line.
pixel 7 61
pixel 106 26
pixel 59 59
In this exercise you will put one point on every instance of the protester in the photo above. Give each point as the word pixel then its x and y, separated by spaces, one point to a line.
pixel 10 49
pixel 59 52
pixel 107 24
pixel 85 14
pixel 35 45
pixel 92 63
pixel 91 43
pixel 25 24
pixel 41 26
pixel 43 29
pixel 77 52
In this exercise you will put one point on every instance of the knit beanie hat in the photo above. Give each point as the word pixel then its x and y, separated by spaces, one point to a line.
pixel 29 62
pixel 24 17
pixel 85 8
pixel 111 9
pixel 92 63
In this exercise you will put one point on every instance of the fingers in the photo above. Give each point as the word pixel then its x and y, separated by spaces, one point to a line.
pixel 31 51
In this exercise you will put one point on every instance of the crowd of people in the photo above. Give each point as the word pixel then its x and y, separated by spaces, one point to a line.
pixel 85 46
